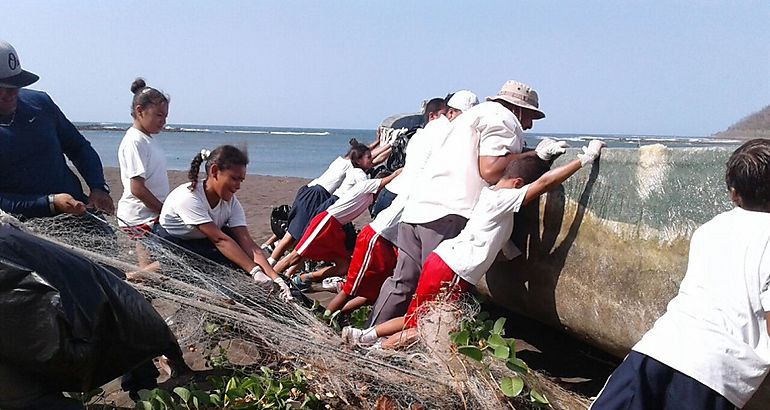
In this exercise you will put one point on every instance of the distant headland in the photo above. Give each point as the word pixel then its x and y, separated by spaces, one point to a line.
pixel 756 125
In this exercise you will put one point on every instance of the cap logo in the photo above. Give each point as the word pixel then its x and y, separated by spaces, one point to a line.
pixel 13 61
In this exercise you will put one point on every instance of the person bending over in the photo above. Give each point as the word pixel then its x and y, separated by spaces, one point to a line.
pixel 711 349
pixel 374 258
pixel 311 198
pixel 324 239
pixel 206 218
pixel 457 264
pixel 472 154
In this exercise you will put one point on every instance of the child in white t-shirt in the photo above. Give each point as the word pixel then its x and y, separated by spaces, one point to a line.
pixel 324 238
pixel 457 264
pixel 143 165
pixel 205 217
pixel 711 349
pixel 315 196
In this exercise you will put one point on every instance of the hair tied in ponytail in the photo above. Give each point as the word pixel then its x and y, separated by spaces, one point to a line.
pixel 205 154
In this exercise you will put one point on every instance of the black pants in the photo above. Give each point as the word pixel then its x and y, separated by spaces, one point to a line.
pixel 384 199
pixel 203 247
pixel 642 383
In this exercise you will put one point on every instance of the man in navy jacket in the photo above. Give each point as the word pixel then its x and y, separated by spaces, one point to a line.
pixel 35 136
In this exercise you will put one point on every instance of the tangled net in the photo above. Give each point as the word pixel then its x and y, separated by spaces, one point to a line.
pixel 215 310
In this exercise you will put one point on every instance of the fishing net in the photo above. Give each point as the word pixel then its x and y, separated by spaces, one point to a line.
pixel 219 315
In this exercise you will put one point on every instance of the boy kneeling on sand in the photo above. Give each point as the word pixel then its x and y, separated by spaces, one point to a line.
pixel 711 349
pixel 458 264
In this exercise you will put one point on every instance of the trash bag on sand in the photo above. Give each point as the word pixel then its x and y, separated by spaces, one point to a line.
pixel 279 220
pixel 66 323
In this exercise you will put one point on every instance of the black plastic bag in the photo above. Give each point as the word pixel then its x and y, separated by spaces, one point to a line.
pixel 279 220
pixel 67 323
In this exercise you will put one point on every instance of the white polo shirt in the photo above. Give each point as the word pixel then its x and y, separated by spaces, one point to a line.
pixel 352 176
pixel 386 222
pixel 333 176
pixel 355 201
pixel 450 182
pixel 183 211
pixel 715 329
pixel 418 151
pixel 140 155
pixel 472 252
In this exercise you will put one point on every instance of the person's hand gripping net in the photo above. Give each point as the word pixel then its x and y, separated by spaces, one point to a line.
pixel 549 148
pixel 591 152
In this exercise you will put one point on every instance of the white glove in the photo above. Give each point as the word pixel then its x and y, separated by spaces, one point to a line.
pixel 283 290
pixel 591 152
pixel 549 148
pixel 262 280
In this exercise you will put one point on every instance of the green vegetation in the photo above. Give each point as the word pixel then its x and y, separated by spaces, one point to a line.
pixel 267 390
pixel 481 335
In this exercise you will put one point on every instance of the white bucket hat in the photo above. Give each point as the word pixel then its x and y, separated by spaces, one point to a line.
pixel 11 74
pixel 521 95
pixel 463 100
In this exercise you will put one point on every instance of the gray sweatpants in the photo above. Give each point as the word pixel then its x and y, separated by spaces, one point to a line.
pixel 415 243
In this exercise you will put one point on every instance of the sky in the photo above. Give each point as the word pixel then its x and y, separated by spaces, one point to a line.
pixel 686 68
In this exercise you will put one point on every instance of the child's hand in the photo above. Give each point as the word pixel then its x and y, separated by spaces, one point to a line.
pixel 262 280
pixel 283 290
pixel 549 148
pixel 591 152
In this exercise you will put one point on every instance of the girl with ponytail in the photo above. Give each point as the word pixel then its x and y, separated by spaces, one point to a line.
pixel 205 217
pixel 143 165
pixel 321 192
pixel 142 161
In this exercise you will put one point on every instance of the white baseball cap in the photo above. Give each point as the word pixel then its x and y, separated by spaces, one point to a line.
pixel 11 74
pixel 462 100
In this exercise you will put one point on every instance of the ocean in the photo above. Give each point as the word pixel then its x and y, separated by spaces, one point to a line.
pixel 306 152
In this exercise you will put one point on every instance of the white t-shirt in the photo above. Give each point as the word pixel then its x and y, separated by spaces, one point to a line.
pixel 472 252
pixel 140 155
pixel 418 150
pixel 183 211
pixel 355 201
pixel 715 329
pixel 333 176
pixel 450 182
pixel 386 222
pixel 352 177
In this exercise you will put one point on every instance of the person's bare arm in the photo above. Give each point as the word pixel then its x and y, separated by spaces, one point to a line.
pixel 227 246
pixel 382 156
pixel 550 179
pixel 556 176
pixel 139 190
pixel 387 179
pixel 491 168
pixel 247 244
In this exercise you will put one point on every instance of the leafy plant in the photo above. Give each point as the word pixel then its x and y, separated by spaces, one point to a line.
pixel 480 335
pixel 360 316
pixel 264 390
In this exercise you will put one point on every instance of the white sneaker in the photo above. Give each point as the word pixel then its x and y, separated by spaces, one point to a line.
pixel 333 284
